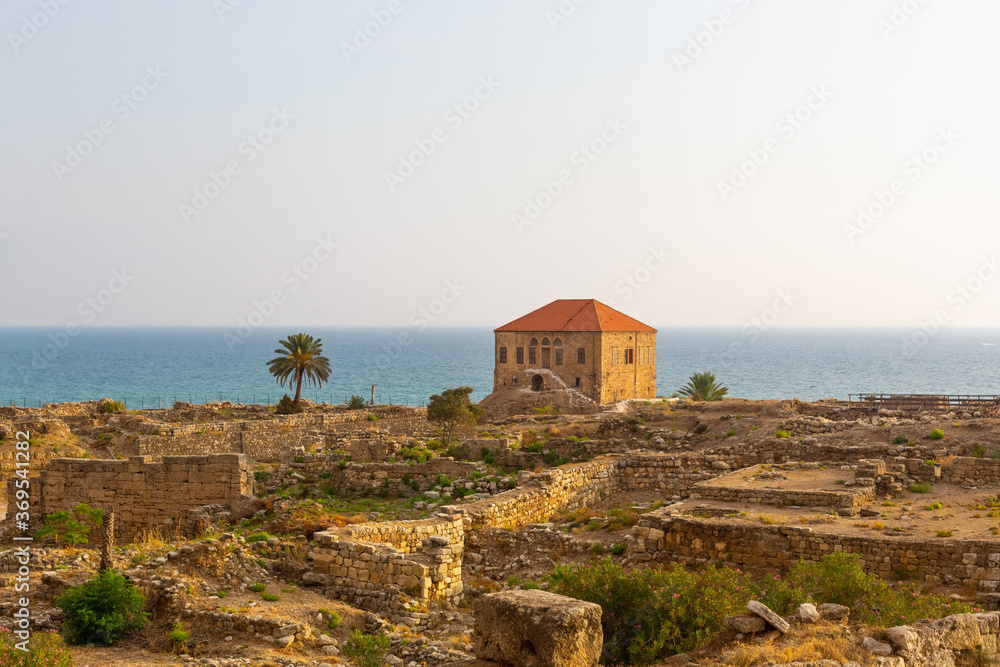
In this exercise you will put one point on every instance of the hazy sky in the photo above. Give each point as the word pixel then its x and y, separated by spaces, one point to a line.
pixel 189 162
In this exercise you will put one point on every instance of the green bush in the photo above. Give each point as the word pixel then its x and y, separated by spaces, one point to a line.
pixel 979 452
pixel 650 614
pixel 366 650
pixel 103 609
pixel 535 447
pixel 936 434
pixel 178 637
pixel 269 597
pixel 258 588
pixel 334 621
pixel 286 406
pixel 356 402
pixel 900 440
pixel 597 549
pixel 839 578
pixel 921 487
pixel 258 536
pixel 530 586
pixel 45 649
pixel 782 434
pixel 71 527
pixel 619 549
pixel 109 407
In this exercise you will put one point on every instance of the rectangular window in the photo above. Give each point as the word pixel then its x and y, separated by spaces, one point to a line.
pixel 558 356
pixel 642 355
pixel 629 356
pixel 581 355
pixel 520 355
pixel 531 355
pixel 503 355
pixel 651 355
pixel 614 356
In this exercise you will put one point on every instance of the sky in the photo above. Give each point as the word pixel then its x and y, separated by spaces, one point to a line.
pixel 207 162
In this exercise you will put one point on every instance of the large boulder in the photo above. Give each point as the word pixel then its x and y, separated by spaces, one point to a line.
pixel 535 628
pixel 938 643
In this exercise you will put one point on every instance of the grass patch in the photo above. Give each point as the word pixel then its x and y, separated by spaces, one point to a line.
pixel 921 487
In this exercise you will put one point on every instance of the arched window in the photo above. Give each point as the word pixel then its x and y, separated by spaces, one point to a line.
pixel 557 342
pixel 534 342
pixel 545 341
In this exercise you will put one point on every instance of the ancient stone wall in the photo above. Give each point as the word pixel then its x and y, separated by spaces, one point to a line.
pixel 144 493
pixel 662 537
pixel 850 501
pixel 265 440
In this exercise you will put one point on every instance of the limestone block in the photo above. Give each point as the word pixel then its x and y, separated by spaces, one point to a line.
pixel 535 628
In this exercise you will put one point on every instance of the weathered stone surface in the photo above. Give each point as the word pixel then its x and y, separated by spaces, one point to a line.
pixel 775 621
pixel 834 612
pixel 876 647
pixel 807 612
pixel 745 624
pixel 535 628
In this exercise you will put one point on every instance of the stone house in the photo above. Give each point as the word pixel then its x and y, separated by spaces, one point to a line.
pixel 581 344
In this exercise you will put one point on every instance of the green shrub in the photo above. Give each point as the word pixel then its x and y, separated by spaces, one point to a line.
pixel 45 649
pixel 258 588
pixel 530 586
pixel 443 480
pixel 269 597
pixel 933 506
pixel 372 418
pixel 979 452
pixel 535 447
pixel 781 433
pixel 921 487
pixel 261 475
pixel 178 637
pixel 840 579
pixel 356 403
pixel 366 650
pixel 286 406
pixel 103 609
pixel 930 462
pixel 334 621
pixel 71 527
pixel 900 440
pixel 258 536
pixel 619 549
pixel 650 614
pixel 109 407
pixel 936 434
pixel 597 549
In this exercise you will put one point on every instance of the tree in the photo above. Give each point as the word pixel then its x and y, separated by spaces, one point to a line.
pixel 703 387
pixel 301 358
pixel 451 408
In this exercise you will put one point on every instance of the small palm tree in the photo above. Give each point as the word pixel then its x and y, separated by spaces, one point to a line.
pixel 702 387
pixel 301 358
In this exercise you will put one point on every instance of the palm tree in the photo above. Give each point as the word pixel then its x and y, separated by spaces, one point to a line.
pixel 301 358
pixel 702 387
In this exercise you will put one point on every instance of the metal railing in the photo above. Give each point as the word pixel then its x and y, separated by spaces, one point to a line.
pixel 942 402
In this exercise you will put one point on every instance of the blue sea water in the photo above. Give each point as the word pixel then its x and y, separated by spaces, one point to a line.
pixel 152 367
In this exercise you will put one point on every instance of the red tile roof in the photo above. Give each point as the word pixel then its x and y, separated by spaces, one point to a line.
pixel 575 315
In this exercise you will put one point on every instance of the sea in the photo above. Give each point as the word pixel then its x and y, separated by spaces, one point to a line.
pixel 154 367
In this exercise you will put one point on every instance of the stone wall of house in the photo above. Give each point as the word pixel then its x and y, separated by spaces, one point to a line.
pixel 144 493
pixel 664 537
pixel 540 495
pixel 619 381
pixel 379 566
pixel 847 501
pixel 265 440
